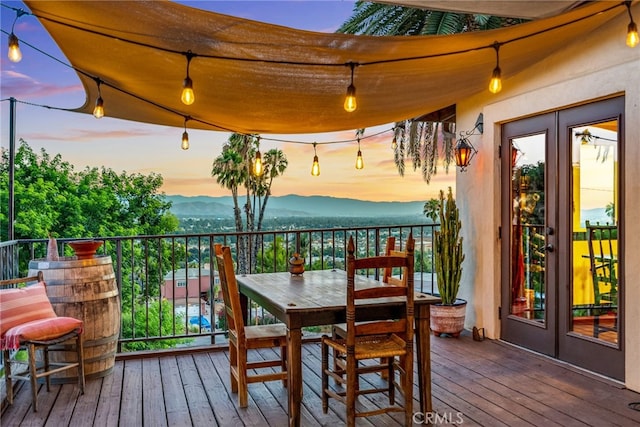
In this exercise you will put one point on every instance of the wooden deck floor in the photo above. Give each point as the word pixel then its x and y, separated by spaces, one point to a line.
pixel 486 383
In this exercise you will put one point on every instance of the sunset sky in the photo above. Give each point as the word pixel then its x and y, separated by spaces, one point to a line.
pixel 140 148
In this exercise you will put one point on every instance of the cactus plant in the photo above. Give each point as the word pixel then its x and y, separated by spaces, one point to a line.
pixel 448 249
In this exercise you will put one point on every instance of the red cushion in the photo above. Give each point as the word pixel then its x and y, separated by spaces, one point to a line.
pixel 39 330
pixel 26 313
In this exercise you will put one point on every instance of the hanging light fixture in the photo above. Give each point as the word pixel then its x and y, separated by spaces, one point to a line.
pixel 258 169
pixel 185 136
pixel 463 153
pixel 315 168
pixel 188 96
pixel 14 53
pixel 350 103
pixel 495 85
pixel 632 29
pixel 359 161
pixel 98 110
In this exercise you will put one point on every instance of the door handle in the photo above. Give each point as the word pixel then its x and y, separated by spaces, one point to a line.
pixel 549 248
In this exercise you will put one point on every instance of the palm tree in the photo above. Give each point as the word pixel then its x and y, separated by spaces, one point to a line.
pixel 230 172
pixel 415 140
pixel 232 169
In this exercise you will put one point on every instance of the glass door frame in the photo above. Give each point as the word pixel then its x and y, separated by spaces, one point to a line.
pixel 588 352
pixel 536 335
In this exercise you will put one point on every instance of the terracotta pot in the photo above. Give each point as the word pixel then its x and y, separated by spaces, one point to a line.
pixel 448 319
pixel 85 249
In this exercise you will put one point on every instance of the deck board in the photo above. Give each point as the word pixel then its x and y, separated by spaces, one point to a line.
pixel 488 383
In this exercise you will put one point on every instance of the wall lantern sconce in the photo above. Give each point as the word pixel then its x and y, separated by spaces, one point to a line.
pixel 464 150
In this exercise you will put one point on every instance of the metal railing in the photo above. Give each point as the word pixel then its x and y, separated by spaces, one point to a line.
pixel 165 281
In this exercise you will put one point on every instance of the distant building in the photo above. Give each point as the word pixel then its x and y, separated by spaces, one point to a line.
pixel 187 284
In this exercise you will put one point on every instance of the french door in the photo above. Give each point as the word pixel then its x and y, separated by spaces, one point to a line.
pixel 561 233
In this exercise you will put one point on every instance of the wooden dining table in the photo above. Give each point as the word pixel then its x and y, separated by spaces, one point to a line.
pixel 318 297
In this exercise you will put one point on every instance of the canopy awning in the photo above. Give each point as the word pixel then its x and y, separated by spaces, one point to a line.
pixel 252 77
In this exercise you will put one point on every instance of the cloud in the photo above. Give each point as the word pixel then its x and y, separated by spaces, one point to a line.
pixel 21 86
pixel 89 135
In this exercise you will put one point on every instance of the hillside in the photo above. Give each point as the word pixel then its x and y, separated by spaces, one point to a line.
pixel 294 205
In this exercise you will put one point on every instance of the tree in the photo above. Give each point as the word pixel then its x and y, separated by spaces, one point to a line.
pixel 52 198
pixel 432 209
pixel 233 169
pixel 418 141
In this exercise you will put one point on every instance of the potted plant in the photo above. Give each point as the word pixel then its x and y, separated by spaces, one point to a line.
pixel 448 316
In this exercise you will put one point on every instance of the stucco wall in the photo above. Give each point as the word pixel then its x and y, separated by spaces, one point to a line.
pixel 599 65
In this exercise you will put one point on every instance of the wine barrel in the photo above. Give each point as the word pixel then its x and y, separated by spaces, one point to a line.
pixel 85 289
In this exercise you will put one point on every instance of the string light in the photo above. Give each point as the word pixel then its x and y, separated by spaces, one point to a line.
pixel 632 29
pixel 14 53
pixel 188 96
pixel 98 110
pixel 258 170
pixel 495 85
pixel 359 161
pixel 185 136
pixel 350 103
pixel 315 168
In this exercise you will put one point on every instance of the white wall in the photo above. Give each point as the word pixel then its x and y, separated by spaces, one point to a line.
pixel 599 65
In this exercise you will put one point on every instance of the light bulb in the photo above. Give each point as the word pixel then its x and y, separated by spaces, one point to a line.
pixel 359 161
pixel 394 143
pixel 98 111
pixel 188 97
pixel 185 140
pixel 315 168
pixel 350 104
pixel 14 53
pixel 632 35
pixel 495 85
pixel 257 164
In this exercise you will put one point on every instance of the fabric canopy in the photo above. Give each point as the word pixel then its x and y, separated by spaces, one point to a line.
pixel 252 77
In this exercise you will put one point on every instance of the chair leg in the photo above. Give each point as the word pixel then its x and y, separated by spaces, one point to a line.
pixel 391 380
pixel 352 389
pixel 45 357
pixel 233 361
pixel 33 375
pixel 325 377
pixel 7 375
pixel 283 363
pixel 243 391
pixel 80 352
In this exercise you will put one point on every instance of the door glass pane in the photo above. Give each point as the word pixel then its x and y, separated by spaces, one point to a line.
pixel 528 287
pixel 595 231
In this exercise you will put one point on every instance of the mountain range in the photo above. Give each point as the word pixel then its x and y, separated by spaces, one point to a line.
pixel 294 205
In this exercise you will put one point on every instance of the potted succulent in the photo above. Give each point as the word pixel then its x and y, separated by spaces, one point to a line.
pixel 448 316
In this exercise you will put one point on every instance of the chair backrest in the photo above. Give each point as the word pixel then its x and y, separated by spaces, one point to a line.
pixel 358 295
pixel 230 293
pixel 603 249
pixel 388 276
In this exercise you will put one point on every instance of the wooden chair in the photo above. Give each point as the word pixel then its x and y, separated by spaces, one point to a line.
pixel 27 321
pixel 602 242
pixel 388 339
pixel 243 338
pixel 339 330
